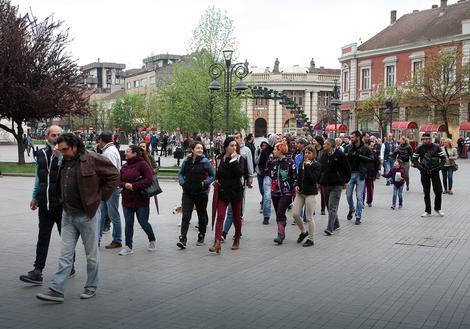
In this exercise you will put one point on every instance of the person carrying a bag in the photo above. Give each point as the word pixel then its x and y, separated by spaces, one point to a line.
pixel 136 175
pixel 449 167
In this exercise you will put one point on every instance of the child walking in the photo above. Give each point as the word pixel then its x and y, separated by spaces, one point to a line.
pixel 398 176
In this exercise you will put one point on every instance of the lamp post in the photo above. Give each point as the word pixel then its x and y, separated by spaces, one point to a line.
pixel 336 102
pixel 216 70
pixel 390 104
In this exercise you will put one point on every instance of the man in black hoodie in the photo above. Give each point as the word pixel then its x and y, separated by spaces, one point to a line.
pixel 358 155
pixel 335 174
pixel 429 158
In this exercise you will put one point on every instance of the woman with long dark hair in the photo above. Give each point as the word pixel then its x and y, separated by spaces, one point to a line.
pixel 136 175
pixel 195 177
pixel 230 191
pixel 281 170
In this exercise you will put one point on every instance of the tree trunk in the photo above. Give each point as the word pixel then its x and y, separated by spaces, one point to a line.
pixel 19 142
pixel 445 117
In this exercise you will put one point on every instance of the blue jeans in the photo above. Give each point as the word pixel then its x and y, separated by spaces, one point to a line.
pixel 261 186
pixel 143 219
pixel 388 165
pixel 397 191
pixel 111 208
pixel 72 228
pixel 359 182
pixel 267 197
pixel 447 177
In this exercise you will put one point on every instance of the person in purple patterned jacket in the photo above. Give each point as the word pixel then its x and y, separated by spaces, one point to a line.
pixel 281 169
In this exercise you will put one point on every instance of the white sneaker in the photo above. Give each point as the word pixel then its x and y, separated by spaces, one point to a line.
pixel 425 214
pixel 125 251
pixel 152 246
pixel 439 213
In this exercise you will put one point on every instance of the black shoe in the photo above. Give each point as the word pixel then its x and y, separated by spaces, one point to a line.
pixel 337 228
pixel 350 214
pixel 388 184
pixel 358 221
pixel 328 232
pixel 200 239
pixel 182 243
pixel 279 240
pixel 106 229
pixel 302 236
pixel 266 221
pixel 308 243
pixel 51 296
pixel 224 236
pixel 369 204
pixel 34 277
pixel 323 211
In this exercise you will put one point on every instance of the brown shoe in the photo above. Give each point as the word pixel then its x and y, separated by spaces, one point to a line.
pixel 114 245
pixel 236 243
pixel 216 247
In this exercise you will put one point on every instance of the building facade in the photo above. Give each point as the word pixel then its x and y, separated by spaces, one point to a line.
pixel 393 56
pixel 104 77
pixel 310 87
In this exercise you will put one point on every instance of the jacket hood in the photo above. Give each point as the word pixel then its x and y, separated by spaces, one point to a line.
pixel 263 140
pixel 272 140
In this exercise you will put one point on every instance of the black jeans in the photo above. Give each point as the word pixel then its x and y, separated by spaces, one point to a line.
pixel 163 150
pixel 187 203
pixel 47 218
pixel 426 180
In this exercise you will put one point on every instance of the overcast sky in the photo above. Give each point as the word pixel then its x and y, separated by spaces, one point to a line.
pixel 126 31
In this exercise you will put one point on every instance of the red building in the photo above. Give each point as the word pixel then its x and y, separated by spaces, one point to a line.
pixel 391 57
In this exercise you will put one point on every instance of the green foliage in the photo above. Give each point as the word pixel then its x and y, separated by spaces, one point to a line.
pixel 127 112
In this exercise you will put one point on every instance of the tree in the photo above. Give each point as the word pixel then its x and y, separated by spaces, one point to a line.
pixel 185 101
pixel 373 108
pixel 441 82
pixel 213 34
pixel 127 112
pixel 38 78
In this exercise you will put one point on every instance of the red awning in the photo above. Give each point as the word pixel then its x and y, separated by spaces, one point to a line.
pixel 318 127
pixel 430 128
pixel 404 125
pixel 341 128
pixel 465 126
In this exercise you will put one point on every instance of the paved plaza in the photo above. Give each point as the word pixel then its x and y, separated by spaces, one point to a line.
pixel 396 270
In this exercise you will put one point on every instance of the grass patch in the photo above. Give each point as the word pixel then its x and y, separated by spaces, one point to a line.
pixel 167 174
pixel 14 168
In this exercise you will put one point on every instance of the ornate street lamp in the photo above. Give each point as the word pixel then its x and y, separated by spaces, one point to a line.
pixel 240 70
pixel 336 102
pixel 391 109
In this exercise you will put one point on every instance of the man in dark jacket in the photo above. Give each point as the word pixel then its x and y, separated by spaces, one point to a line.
pixel 85 179
pixel 429 158
pixel 358 155
pixel 46 201
pixel 335 174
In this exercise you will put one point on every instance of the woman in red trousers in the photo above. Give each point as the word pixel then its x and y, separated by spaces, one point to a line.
pixel 230 191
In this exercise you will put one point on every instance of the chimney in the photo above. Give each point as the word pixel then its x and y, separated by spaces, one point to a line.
pixel 443 4
pixel 434 6
pixel 393 16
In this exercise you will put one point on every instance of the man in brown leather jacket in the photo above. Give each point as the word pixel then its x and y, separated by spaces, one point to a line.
pixel 85 178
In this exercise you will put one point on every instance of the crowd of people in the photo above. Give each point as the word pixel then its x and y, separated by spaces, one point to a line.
pixel 79 190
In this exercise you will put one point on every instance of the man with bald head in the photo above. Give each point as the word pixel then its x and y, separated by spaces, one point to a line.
pixel 45 200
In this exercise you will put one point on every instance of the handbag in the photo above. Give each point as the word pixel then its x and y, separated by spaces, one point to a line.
pixel 153 189
pixel 453 165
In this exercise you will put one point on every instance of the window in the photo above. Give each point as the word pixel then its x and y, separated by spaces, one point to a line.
pixel 143 82
pixel 128 85
pixel 152 80
pixel 365 84
pixel 300 101
pixel 390 75
pixel 136 84
pixel 346 81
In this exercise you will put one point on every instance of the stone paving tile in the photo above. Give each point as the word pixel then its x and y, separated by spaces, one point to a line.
pixel 358 278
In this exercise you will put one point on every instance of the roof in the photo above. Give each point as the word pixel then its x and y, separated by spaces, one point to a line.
pixel 296 70
pixel 464 126
pixel 105 65
pixel 421 26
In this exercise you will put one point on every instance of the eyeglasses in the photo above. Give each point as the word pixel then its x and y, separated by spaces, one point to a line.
pixel 54 135
pixel 64 149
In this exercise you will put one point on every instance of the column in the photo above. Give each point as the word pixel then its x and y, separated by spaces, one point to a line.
pixel 279 122
pixel 271 127
pixel 248 108
pixel 315 107
pixel 307 104
pixel 402 114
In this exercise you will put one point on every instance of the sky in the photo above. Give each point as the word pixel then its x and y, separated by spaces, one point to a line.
pixel 126 31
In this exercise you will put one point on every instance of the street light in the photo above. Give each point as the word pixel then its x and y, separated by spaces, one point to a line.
pixel 390 104
pixel 336 102
pixel 216 70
